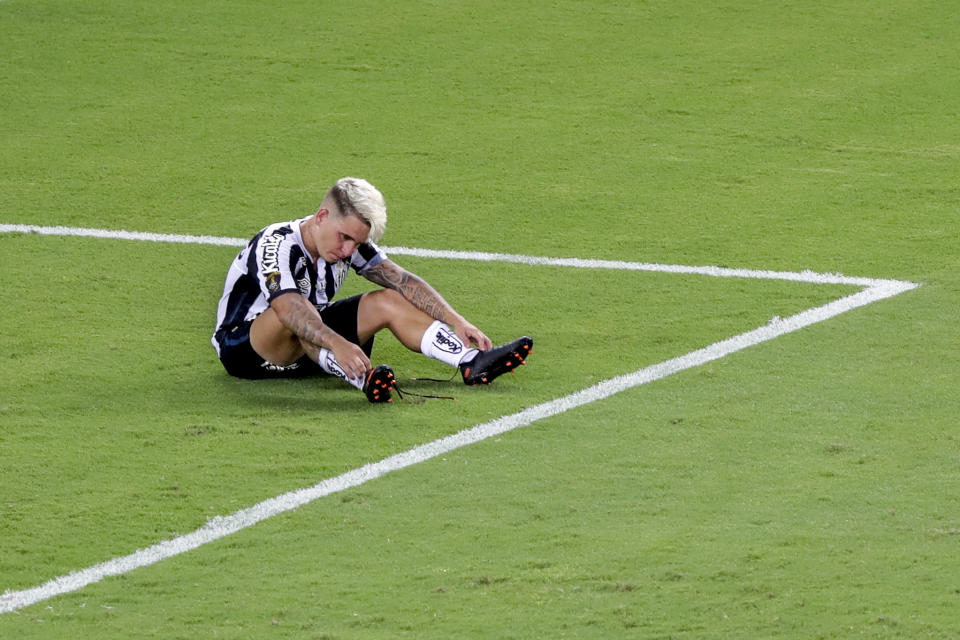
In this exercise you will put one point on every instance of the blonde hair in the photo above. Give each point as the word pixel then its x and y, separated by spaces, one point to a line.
pixel 357 197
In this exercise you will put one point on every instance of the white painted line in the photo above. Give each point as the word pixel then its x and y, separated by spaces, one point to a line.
pixel 222 526
pixel 578 263
pixel 113 234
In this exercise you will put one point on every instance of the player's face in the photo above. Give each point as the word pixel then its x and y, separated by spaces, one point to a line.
pixel 337 237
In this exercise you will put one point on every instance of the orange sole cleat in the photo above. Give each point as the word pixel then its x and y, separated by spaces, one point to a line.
pixel 380 382
pixel 488 365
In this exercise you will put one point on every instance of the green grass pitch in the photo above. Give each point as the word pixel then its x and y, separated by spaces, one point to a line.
pixel 802 488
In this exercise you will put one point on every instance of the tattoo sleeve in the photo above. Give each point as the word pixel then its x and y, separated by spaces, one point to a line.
pixel 302 319
pixel 412 287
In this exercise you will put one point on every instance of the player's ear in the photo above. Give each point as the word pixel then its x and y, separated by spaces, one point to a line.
pixel 322 214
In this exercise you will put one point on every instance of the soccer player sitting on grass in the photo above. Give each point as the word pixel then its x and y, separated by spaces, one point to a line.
pixel 277 317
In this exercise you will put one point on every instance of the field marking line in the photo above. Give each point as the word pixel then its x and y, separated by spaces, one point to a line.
pixel 221 526
pixel 580 263
pixel 811 277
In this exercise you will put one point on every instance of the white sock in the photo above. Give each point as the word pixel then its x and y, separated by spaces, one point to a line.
pixel 440 343
pixel 329 364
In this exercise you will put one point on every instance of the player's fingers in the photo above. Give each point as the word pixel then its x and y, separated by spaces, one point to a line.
pixel 482 341
pixel 362 365
pixel 364 360
pixel 355 362
pixel 471 337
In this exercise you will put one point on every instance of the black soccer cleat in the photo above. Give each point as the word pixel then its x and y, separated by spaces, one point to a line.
pixel 486 366
pixel 379 383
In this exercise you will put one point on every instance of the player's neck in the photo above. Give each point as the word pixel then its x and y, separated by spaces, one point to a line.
pixel 306 234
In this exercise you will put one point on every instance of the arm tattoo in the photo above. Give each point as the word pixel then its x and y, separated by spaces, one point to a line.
pixel 413 288
pixel 302 319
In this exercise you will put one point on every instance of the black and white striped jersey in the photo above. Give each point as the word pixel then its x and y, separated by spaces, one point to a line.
pixel 275 261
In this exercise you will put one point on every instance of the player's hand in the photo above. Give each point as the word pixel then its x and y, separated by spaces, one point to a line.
pixel 352 359
pixel 471 336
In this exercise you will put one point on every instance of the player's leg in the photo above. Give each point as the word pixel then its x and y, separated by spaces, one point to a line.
pixel 241 360
pixel 279 345
pixel 341 317
pixel 275 342
pixel 387 309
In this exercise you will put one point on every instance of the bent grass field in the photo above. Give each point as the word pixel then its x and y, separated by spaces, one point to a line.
pixel 803 487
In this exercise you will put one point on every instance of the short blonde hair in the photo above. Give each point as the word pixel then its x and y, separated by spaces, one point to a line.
pixel 357 197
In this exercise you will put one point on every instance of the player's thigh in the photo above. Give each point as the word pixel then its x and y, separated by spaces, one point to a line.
pixel 387 308
pixel 273 341
pixel 373 312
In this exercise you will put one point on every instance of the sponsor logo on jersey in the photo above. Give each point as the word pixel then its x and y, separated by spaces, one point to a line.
pixel 271 251
pixel 273 281
pixel 445 340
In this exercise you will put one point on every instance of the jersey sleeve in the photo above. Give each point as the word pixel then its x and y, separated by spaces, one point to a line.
pixel 276 256
pixel 367 255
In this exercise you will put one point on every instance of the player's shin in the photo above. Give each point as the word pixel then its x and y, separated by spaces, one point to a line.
pixel 440 343
pixel 329 364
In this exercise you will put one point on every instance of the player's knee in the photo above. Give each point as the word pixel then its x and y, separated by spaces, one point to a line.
pixel 380 309
pixel 384 302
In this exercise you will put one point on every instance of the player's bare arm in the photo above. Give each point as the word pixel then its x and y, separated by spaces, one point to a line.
pixel 302 319
pixel 425 298
pixel 414 288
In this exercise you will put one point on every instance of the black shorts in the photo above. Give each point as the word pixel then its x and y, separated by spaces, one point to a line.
pixel 240 360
